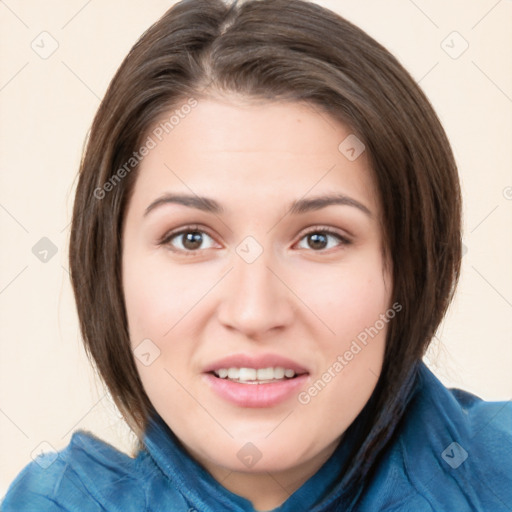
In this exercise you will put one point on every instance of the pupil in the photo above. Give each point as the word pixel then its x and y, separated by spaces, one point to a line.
pixel 317 241
pixel 193 240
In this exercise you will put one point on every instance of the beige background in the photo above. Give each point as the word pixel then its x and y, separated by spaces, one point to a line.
pixel 47 389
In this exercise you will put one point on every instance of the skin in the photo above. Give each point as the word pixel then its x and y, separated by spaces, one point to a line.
pixel 296 299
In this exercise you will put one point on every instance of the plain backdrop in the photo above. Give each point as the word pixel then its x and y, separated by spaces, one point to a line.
pixel 57 58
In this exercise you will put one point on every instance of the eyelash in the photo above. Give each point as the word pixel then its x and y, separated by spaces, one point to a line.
pixel 168 237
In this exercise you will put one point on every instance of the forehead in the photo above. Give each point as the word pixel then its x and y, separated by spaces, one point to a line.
pixel 236 149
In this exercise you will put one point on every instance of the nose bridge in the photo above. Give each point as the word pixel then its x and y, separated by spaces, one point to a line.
pixel 255 300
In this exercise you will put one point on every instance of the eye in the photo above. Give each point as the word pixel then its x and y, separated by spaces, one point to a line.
pixel 191 239
pixel 188 239
pixel 322 239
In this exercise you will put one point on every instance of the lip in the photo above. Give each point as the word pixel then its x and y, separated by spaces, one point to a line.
pixel 257 362
pixel 256 395
pixel 263 395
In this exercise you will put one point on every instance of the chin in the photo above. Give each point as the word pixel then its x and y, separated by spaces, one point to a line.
pixel 259 455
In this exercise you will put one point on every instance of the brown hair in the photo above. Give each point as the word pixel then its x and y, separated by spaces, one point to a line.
pixel 273 50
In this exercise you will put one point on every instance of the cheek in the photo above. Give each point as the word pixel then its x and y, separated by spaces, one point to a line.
pixel 360 304
pixel 355 304
pixel 348 299
pixel 158 295
pixel 165 304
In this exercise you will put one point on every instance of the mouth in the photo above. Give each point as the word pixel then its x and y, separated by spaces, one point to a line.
pixel 256 375
pixel 256 381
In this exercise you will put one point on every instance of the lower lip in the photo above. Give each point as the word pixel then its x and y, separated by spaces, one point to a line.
pixel 256 395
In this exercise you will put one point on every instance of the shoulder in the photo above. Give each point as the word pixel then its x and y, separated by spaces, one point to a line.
pixel 86 475
pixel 454 449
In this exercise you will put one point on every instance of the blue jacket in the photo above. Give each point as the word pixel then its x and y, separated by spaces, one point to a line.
pixel 451 453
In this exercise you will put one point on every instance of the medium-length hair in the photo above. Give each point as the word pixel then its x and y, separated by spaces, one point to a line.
pixel 273 50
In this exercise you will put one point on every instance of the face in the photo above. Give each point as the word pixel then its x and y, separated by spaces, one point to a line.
pixel 254 281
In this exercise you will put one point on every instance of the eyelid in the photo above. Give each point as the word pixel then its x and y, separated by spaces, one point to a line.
pixel 345 239
pixel 169 235
pixel 166 238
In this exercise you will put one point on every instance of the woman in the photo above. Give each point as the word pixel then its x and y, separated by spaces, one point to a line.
pixel 266 236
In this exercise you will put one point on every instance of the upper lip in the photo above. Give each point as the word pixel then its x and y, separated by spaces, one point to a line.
pixel 257 362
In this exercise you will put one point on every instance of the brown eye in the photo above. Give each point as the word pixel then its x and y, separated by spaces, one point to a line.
pixel 188 240
pixel 192 240
pixel 322 239
pixel 317 240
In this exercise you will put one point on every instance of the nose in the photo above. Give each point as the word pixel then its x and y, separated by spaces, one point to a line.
pixel 256 299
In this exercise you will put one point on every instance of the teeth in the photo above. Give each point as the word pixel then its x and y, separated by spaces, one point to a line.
pixel 265 374
pixel 247 374
pixel 279 372
pixel 233 373
pixel 253 374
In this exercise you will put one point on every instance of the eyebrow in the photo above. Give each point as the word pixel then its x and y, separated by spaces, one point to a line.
pixel 299 206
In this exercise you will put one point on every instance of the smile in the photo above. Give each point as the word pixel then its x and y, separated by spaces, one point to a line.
pixel 256 380
pixel 255 376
